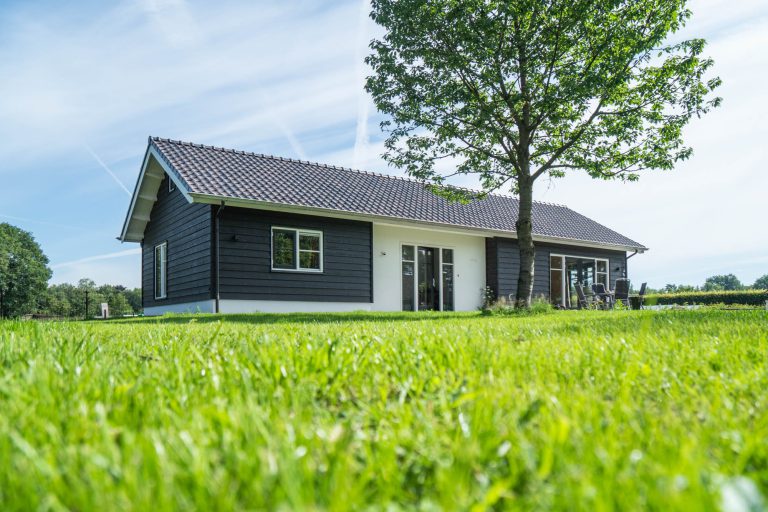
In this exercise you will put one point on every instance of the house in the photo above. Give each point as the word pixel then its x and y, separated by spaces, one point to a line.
pixel 231 231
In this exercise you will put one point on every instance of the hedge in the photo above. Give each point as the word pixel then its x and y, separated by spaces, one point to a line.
pixel 745 297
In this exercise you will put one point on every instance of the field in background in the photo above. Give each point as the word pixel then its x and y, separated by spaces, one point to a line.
pixel 571 410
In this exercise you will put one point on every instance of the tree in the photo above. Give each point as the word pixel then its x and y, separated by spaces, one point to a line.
pixel 24 272
pixel 513 91
pixel 725 282
pixel 761 283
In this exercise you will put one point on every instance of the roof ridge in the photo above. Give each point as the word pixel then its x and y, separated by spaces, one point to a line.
pixel 332 166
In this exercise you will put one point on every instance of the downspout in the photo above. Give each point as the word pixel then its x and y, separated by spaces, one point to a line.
pixel 218 256
pixel 626 273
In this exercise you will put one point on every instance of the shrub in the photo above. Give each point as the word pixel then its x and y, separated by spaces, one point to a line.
pixel 503 307
pixel 744 297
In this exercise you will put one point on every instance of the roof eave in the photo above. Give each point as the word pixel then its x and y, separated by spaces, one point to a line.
pixel 475 230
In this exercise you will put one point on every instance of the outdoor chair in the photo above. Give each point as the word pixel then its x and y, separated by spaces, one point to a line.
pixel 641 296
pixel 621 293
pixel 582 296
pixel 606 297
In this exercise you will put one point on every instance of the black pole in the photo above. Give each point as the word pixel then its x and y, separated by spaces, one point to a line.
pixel 86 304
pixel 2 303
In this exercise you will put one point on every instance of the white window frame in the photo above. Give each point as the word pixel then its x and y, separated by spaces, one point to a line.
pixel 296 250
pixel 439 248
pixel 162 291
pixel 564 288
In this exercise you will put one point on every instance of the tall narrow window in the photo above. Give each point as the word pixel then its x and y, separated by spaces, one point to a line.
pixel 602 272
pixel 556 280
pixel 161 270
pixel 297 249
pixel 447 279
pixel 408 258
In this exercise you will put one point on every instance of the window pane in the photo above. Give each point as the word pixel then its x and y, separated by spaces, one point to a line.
pixel 408 253
pixel 555 262
pixel 602 266
pixel 603 278
pixel 160 270
pixel 447 286
pixel 556 287
pixel 283 249
pixel 310 260
pixel 447 255
pixel 408 285
pixel 309 242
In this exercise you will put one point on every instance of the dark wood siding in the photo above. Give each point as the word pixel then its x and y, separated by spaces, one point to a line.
pixel 187 229
pixel 503 253
pixel 246 271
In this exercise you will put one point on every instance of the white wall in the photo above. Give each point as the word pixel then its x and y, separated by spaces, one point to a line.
pixel 469 264
pixel 203 306
pixel 289 306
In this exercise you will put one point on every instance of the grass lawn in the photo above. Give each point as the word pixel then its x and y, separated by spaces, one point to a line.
pixel 571 410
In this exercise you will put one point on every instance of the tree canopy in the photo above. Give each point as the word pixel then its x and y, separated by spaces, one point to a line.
pixel 512 91
pixel 725 282
pixel 761 283
pixel 24 271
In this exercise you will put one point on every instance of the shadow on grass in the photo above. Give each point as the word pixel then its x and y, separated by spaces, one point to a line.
pixel 293 318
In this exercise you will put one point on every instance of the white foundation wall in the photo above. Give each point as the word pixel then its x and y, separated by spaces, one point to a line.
pixel 203 306
pixel 289 306
pixel 469 265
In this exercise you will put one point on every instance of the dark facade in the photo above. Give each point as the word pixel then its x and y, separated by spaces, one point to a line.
pixel 503 264
pixel 246 269
pixel 187 228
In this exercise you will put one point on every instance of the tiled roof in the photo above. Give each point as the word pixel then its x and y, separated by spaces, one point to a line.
pixel 232 174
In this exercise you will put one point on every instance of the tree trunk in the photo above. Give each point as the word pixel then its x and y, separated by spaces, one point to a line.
pixel 524 228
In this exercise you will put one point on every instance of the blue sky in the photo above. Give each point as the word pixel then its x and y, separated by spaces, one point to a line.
pixel 82 86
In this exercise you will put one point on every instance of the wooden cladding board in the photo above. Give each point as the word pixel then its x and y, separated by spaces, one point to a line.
pixel 503 264
pixel 246 272
pixel 187 228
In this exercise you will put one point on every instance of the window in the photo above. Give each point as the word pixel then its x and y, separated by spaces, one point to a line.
pixel 556 280
pixel 297 249
pixel 602 272
pixel 408 271
pixel 447 279
pixel 171 185
pixel 161 270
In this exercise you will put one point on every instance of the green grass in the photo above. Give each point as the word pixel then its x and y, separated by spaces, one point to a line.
pixel 566 411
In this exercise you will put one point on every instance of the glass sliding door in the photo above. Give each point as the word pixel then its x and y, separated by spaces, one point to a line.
pixel 427 278
pixel 573 270
pixel 428 287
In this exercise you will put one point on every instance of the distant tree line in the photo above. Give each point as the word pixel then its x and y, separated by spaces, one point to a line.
pixel 24 289
pixel 69 301
pixel 719 283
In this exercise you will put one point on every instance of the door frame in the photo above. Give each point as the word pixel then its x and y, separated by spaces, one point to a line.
pixel 564 289
pixel 439 248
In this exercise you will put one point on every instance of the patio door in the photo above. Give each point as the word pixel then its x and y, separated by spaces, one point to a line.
pixel 579 270
pixel 427 278
pixel 428 285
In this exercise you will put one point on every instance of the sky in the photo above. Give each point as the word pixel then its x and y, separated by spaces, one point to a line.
pixel 83 84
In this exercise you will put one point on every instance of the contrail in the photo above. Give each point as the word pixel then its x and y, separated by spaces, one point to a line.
pixel 108 256
pixel 101 163
pixel 24 219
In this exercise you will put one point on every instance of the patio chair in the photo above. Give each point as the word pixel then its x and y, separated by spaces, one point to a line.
pixel 582 296
pixel 641 296
pixel 621 293
pixel 606 297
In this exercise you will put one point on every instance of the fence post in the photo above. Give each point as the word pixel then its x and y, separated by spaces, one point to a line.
pixel 86 304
